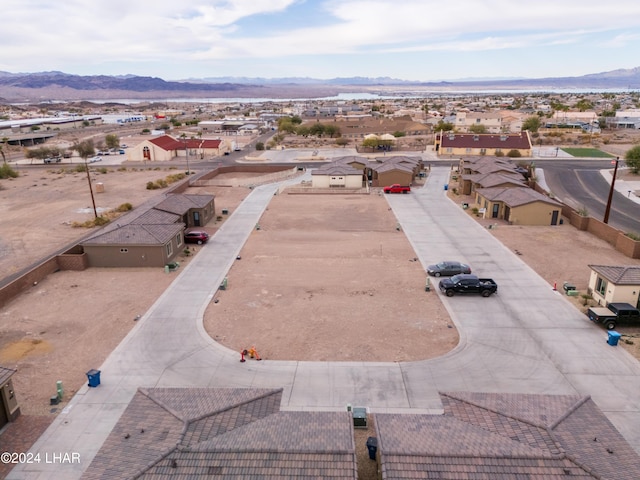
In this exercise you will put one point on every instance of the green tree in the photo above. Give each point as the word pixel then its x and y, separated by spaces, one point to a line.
pixel 285 125
pixel 444 126
pixel 303 131
pixel 332 130
pixel 85 150
pixel 399 134
pixel 478 128
pixel 371 142
pixel 296 120
pixel 41 153
pixel 632 157
pixel 259 146
pixel 532 124
pixel 317 129
pixel 584 104
pixel 112 140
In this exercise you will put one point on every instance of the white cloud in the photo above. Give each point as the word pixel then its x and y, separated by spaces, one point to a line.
pixel 44 35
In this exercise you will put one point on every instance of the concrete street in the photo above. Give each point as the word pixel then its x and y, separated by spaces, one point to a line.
pixel 526 339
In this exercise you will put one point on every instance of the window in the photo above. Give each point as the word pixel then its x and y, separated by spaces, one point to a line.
pixel 124 250
pixel 169 249
pixel 179 239
pixel 601 286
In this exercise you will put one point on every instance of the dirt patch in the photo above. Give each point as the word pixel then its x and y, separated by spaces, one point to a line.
pixel 330 278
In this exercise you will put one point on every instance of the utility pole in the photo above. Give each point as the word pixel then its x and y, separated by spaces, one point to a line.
pixel 613 182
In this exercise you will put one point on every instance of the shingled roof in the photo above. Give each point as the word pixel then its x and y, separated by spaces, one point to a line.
pixel 224 433
pixel 486 180
pixel 619 275
pixel 336 168
pixel 505 436
pixel 180 204
pixel 136 234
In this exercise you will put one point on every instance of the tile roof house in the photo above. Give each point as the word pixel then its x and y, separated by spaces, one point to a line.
pixel 336 175
pixel 450 143
pixel 519 205
pixel 224 433
pixel 505 436
pixel 164 148
pixel 609 283
pixel 149 238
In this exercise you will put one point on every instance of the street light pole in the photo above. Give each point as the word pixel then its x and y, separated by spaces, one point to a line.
pixel 613 182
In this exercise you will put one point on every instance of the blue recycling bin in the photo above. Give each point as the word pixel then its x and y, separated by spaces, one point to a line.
pixel 446 186
pixel 372 446
pixel 613 338
pixel 94 377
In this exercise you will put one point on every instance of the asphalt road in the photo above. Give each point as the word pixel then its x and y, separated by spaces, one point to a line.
pixel 579 184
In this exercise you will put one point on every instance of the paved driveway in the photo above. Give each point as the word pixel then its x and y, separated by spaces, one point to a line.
pixel 527 339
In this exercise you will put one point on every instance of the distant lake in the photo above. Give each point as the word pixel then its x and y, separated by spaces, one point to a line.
pixel 403 92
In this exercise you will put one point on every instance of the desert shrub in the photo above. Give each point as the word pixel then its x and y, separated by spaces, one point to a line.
pixel 152 185
pixel 125 207
pixel 499 153
pixel 94 222
pixel 514 153
pixel 103 170
pixel 80 168
pixel 633 236
pixel 7 172
pixel 122 169
pixel 175 177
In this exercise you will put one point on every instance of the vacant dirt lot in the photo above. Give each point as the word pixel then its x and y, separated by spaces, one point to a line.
pixel 328 277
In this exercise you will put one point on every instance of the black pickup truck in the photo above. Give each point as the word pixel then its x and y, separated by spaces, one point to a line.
pixel 613 314
pixel 465 283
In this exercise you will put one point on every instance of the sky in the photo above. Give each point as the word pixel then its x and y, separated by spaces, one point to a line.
pixel 416 40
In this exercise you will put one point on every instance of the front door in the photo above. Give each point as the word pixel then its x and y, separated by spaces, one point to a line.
pixel 554 217
pixel 196 219
pixel 495 210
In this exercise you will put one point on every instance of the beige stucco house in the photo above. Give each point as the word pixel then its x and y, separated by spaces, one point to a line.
pixel 337 175
pixel 608 284
pixel 518 206
pixel 165 148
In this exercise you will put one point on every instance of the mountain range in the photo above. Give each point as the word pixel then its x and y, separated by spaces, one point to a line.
pixel 54 86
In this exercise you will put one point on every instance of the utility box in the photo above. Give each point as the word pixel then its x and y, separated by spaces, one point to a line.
pixel 359 417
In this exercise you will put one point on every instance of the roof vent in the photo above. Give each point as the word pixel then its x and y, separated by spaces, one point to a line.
pixel 476 138
pixel 503 138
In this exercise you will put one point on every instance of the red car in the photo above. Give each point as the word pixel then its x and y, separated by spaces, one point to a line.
pixel 196 236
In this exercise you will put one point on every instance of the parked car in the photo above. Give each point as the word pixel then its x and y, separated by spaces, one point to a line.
pixel 447 269
pixel 52 160
pixel 468 284
pixel 95 159
pixel 613 314
pixel 196 236
pixel 396 188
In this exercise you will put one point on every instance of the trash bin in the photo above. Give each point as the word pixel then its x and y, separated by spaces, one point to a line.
pixel 94 377
pixel 613 338
pixel 372 446
pixel 446 186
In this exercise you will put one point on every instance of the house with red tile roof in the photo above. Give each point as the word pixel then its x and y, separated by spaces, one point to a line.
pixel 166 147
pixel 451 143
